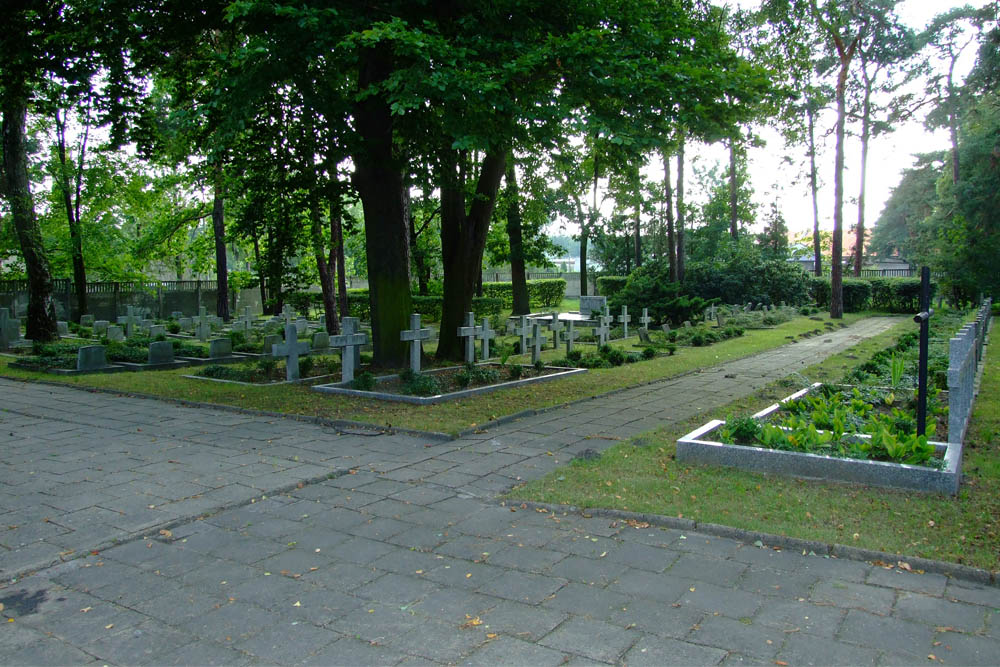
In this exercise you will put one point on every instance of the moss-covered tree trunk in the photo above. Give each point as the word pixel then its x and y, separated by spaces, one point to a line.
pixel 41 324
pixel 518 277
pixel 71 202
pixel 814 189
pixel 219 233
pixel 379 181
pixel 668 197
pixel 463 239
pixel 680 211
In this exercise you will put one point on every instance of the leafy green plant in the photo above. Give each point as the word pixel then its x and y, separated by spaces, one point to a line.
pixel 363 381
pixel 649 353
pixel 896 368
pixel 742 430
pixel 267 365
pixel 306 365
pixel 419 384
pixel 539 365
pixel 514 371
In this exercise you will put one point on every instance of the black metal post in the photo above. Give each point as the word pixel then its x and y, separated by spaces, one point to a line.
pixel 923 319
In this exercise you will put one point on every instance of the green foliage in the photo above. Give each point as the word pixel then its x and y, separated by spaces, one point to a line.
pixel 650 287
pixel 173 327
pixel 649 353
pixel 419 384
pixel 363 381
pixel 743 430
pixel 897 295
pixel 857 294
pixel 541 293
pixel 472 375
pixel 428 306
pixel 742 274
pixel 306 365
pixel 514 371
pixel 611 285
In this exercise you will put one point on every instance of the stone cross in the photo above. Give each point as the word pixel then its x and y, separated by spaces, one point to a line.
pixel 537 341
pixel 416 336
pixel 469 332
pixel 288 313
pixel 601 331
pixel 485 335
pixel 131 321
pixel 625 318
pixel 350 342
pixel 5 338
pixel 645 319
pixel 524 331
pixel 571 335
pixel 556 327
pixel 290 350
pixel 202 329
pixel 352 325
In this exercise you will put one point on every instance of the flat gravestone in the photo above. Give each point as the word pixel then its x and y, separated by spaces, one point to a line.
pixel 101 327
pixel 219 348
pixel 161 352
pixel 185 322
pixel 592 304
pixel 116 333
pixel 91 358
pixel 687 324
pixel 86 320
pixel 176 315
pixel 301 326
pixel 62 328
pixel 157 330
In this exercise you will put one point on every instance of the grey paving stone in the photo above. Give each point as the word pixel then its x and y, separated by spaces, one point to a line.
pixel 138 645
pixel 205 653
pixel 717 547
pixel 351 651
pixel 777 583
pixel 931 583
pixel 988 596
pixel 770 558
pixel 361 550
pixel 759 641
pixel 287 643
pixel 656 651
pixel 660 587
pixel 805 617
pixel 439 642
pixel 664 620
pixel 807 650
pixel 378 623
pixel 464 574
pixel 529 559
pixel 396 589
pixel 721 600
pixel 702 568
pixel 886 634
pixel 48 652
pixel 591 601
pixel 230 623
pixel 514 653
pixel 469 547
pixel 854 596
pixel 592 639
pixel 598 571
pixel 940 612
pixel 959 649
pixel 522 586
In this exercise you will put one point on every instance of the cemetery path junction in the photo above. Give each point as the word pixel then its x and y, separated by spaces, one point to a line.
pixel 136 531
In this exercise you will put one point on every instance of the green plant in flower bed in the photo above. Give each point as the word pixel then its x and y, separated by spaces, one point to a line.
pixel 182 349
pixel 51 355
pixel 363 381
pixel 473 376
pixel 131 350
pixel 420 384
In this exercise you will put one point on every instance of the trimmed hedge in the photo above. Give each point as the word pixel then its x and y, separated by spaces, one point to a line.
pixel 541 293
pixel 892 295
pixel 610 285
pixel 428 306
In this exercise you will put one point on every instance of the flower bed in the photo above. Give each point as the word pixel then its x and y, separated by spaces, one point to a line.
pixel 445 384
pixel 268 370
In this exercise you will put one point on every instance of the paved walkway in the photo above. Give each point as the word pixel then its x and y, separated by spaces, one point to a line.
pixel 389 549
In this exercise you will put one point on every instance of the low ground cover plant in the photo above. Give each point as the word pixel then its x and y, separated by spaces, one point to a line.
pixel 269 369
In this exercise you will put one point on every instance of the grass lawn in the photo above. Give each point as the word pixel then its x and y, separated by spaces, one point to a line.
pixel 646 478
pixel 451 417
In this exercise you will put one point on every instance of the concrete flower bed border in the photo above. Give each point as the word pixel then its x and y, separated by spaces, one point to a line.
pixel 342 388
pixel 699 447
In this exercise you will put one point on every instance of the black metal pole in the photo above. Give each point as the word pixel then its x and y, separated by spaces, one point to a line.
pixel 924 319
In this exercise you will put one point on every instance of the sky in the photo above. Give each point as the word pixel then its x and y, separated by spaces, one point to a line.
pixel 774 179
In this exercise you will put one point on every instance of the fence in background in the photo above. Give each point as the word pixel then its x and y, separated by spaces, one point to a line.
pixel 965 351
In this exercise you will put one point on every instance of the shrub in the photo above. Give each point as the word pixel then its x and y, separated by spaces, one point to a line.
pixel 306 365
pixel 649 353
pixel 174 327
pixel 819 290
pixel 613 355
pixel 363 381
pixel 574 355
pixel 649 287
pixel 541 293
pixel 611 285
pixel 857 294
pixel 515 371
pixel 419 384
pixel 743 275
pixel 897 295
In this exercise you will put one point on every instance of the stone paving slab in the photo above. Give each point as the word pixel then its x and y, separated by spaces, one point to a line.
pixel 408 560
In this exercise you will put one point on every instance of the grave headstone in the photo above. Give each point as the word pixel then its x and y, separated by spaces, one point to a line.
pixel 177 314
pixel 485 335
pixel 220 347
pixel 350 343
pixel 91 358
pixel 469 332
pixel 624 319
pixel 644 335
pixel 320 341
pixel 157 330
pixel 160 352
pixel 62 328
pixel 240 326
pixel 666 327
pixel 537 341
pixel 86 320
pixel 131 321
pixel 571 335
pixel 687 324
pixel 185 323
pixel 415 335
pixel 720 319
pixel 290 350
pixel 645 319
pixel 302 326
pixel 101 327
pixel 592 304
pixel 5 321
pixel 556 327
pixel 270 340
pixel 322 321
pixel 115 333
pixel 288 314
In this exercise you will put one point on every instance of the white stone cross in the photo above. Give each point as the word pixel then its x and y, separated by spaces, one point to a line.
pixel 485 335
pixel 352 325
pixel 571 335
pixel 288 313
pixel 415 335
pixel 645 319
pixel 202 328
pixel 350 343
pixel 524 331
pixel 556 326
pixel 625 318
pixel 601 331
pixel 131 321
pixel 290 350
pixel 537 341
pixel 469 332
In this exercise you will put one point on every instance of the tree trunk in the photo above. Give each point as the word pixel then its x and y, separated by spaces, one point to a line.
pixel 953 120
pixel 680 210
pixel 733 194
pixel 814 188
pixel 668 192
pixel 73 214
pixel 584 230
pixel 419 262
pixel 219 231
pixel 324 265
pixel 337 243
pixel 637 222
pixel 260 273
pixel 463 239
pixel 41 324
pixel 859 237
pixel 518 279
pixel 837 265
pixel 379 180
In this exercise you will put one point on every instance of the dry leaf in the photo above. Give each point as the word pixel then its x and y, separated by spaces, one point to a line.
pixel 166 533
pixel 931 656
pixel 691 589
pixel 297 604
pixel 109 626
pixel 904 566
pixel 491 635
pixel 781 662
pixel 945 628
pixel 84 610
pixel 471 623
